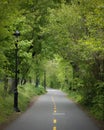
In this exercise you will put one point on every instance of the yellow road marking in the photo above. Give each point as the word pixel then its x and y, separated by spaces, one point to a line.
pixel 54 104
pixel 54 108
pixel 54 121
pixel 55 111
pixel 54 128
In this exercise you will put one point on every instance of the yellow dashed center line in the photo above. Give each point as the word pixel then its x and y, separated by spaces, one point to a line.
pixel 54 121
pixel 54 109
pixel 54 128
pixel 54 104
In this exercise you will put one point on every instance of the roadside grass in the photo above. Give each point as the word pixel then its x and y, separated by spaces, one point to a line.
pixel 26 93
pixel 6 106
pixel 94 111
pixel 75 96
pixel 96 114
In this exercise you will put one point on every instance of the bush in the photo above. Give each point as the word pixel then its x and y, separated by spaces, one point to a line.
pixel 98 101
pixel 76 84
pixel 98 107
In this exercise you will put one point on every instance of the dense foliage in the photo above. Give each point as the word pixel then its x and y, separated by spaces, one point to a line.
pixel 61 44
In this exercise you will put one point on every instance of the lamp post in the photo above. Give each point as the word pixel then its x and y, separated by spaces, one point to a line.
pixel 44 80
pixel 16 34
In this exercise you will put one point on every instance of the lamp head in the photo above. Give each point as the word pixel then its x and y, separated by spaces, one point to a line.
pixel 17 33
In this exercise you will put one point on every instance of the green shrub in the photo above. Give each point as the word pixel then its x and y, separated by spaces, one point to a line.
pixel 98 107
pixel 98 101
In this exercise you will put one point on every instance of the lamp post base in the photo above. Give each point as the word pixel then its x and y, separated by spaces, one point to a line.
pixel 16 109
pixel 16 100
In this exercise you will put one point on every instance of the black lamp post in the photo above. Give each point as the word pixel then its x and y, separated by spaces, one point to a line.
pixel 44 80
pixel 16 34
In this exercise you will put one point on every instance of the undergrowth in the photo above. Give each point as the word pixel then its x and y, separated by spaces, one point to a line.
pixel 94 107
pixel 26 92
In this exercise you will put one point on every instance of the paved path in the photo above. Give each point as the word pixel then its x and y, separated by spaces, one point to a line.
pixel 53 111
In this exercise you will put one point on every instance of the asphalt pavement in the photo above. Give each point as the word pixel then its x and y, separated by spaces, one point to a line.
pixel 53 111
